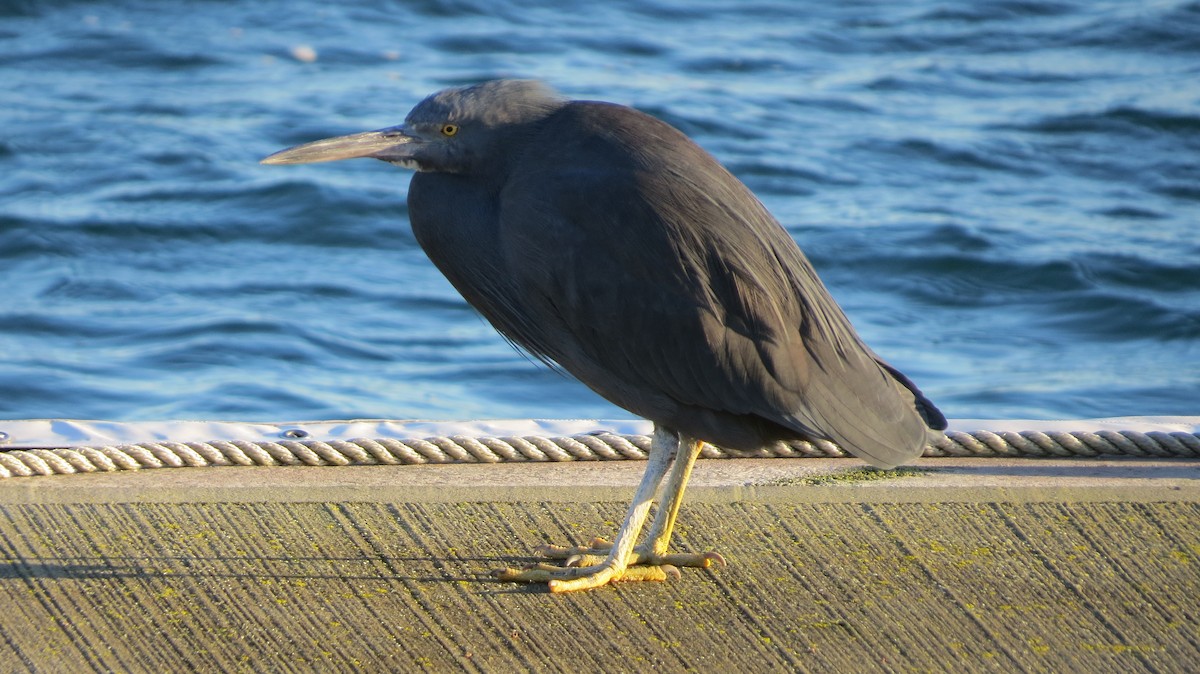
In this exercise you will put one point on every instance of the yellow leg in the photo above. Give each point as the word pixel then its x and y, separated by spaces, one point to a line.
pixel 603 562
pixel 614 565
pixel 653 551
pixel 670 496
pixel 564 579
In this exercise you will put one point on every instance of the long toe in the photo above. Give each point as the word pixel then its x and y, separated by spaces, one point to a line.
pixel 599 547
pixel 584 570
pixel 697 560
pixel 549 573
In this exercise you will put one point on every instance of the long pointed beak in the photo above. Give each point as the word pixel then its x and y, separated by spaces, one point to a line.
pixel 390 144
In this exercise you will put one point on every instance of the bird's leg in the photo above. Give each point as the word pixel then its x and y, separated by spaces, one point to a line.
pixel 670 496
pixel 614 566
pixel 603 562
pixel 654 550
pixel 665 446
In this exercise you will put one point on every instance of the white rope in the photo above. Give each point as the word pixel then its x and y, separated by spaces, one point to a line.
pixel 588 447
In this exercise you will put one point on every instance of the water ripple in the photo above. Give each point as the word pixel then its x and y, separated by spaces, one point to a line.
pixel 1003 195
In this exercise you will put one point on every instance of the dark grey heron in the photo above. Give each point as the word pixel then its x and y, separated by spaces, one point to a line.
pixel 607 243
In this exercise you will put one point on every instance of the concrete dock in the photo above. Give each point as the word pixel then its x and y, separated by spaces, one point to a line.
pixel 953 565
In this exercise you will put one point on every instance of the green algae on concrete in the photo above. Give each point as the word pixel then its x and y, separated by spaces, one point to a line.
pixel 856 475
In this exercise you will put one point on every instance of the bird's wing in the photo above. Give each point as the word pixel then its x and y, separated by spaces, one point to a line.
pixel 666 290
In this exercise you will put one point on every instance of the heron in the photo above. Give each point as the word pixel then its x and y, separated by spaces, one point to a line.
pixel 606 243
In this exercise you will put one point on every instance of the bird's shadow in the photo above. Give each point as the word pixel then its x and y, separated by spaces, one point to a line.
pixel 218 568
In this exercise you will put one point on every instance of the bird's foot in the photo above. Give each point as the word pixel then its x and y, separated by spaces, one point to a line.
pixel 587 567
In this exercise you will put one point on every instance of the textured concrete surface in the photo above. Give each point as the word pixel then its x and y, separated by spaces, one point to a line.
pixel 959 565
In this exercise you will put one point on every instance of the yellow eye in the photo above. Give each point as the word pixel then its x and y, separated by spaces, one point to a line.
pixel 449 129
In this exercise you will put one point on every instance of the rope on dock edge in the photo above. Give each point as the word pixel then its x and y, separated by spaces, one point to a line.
pixel 590 447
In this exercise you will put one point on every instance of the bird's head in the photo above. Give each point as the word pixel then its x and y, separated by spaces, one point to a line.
pixel 459 130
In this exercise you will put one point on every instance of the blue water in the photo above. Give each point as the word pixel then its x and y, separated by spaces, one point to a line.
pixel 1003 195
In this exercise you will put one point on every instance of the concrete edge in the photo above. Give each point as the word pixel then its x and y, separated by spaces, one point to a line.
pixel 714 481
